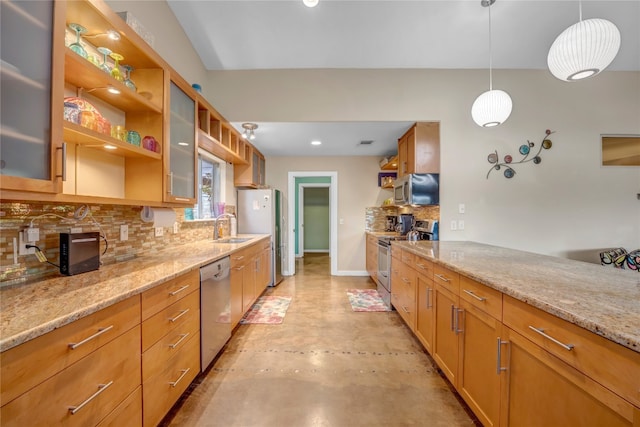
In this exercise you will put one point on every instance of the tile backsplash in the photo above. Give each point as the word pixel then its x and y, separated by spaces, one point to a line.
pixel 52 219
pixel 376 217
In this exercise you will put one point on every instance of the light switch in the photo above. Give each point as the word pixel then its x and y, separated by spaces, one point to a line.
pixel 461 208
pixel 341 221
pixel 461 224
pixel 454 225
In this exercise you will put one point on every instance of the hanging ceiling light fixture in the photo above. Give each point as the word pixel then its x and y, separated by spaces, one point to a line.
pixel 584 49
pixel 310 3
pixel 248 130
pixel 493 107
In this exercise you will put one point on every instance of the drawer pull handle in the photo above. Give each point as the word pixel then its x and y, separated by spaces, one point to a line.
pixel 101 331
pixel 175 383
pixel 182 313
pixel 474 295
pixel 177 291
pixel 421 266
pixel 499 367
pixel 177 343
pixel 429 304
pixel 405 280
pixel 238 258
pixel 441 277
pixel 567 347
pixel 452 315
pixel 238 268
pixel 101 388
pixel 405 309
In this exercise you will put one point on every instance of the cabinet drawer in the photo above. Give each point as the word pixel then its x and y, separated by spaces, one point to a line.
pixel 483 297
pixel 114 369
pixel 169 292
pixel 408 281
pixel 240 258
pixel 128 413
pixel 155 358
pixel 423 267
pixel 446 278
pixel 612 365
pixel 160 392
pixel 27 365
pixel 172 318
pixel 408 258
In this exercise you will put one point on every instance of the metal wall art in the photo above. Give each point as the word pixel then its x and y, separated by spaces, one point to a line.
pixel 525 150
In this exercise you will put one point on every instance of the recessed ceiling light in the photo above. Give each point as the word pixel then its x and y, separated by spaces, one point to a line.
pixel 316 142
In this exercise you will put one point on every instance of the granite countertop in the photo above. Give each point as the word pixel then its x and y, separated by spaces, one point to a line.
pixel 30 310
pixel 605 301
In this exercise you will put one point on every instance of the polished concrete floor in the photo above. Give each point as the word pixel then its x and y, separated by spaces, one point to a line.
pixel 325 365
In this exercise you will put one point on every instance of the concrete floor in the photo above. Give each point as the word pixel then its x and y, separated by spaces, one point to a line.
pixel 325 365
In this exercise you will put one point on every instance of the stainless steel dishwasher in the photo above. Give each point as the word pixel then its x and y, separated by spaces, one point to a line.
pixel 215 309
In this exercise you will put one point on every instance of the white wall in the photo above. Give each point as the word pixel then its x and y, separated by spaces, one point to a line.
pixel 568 205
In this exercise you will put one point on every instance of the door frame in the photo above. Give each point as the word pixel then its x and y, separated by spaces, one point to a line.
pixel 333 219
pixel 301 189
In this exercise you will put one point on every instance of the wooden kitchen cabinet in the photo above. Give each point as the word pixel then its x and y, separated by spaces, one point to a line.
pixel 251 175
pixel 403 287
pixel 170 343
pixel 217 136
pixel 419 149
pixel 264 267
pixel 372 257
pixel 31 120
pixel 446 342
pixel 425 313
pixel 539 389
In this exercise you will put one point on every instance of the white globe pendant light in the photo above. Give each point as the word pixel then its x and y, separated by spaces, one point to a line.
pixel 310 3
pixel 584 49
pixel 493 107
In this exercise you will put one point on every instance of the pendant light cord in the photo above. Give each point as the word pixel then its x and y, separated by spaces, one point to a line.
pixel 490 52
pixel 580 8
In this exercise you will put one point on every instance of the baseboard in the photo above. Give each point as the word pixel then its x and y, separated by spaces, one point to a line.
pixel 317 251
pixel 351 273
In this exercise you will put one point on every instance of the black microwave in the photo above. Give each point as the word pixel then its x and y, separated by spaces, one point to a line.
pixel 417 189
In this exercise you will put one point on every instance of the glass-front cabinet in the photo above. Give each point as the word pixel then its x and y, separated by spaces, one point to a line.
pixel 31 154
pixel 181 161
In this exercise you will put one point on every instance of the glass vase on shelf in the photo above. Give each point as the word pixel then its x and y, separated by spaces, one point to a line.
pixel 115 71
pixel 105 51
pixel 127 78
pixel 76 46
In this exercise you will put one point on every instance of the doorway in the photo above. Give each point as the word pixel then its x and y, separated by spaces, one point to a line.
pixel 313 218
pixel 326 179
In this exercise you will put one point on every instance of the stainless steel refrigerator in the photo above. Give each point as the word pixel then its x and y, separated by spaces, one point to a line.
pixel 262 212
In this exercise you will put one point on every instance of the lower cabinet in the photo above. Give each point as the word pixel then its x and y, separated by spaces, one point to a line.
pixel 425 313
pixel 372 256
pixel 250 275
pixel 446 341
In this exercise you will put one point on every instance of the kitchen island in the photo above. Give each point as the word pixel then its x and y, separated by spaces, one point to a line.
pixel 523 336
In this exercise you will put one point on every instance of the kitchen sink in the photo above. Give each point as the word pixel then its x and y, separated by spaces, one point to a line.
pixel 232 240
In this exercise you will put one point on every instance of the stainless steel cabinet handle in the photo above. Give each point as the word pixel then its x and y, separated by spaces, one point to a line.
pixel 458 311
pixel 175 383
pixel 452 315
pixel 567 347
pixel 101 388
pixel 64 161
pixel 238 258
pixel 238 268
pixel 421 266
pixel 499 367
pixel 405 280
pixel 170 190
pixel 101 331
pixel 441 277
pixel 428 302
pixel 177 291
pixel 182 313
pixel 177 343
pixel 405 309
pixel 474 295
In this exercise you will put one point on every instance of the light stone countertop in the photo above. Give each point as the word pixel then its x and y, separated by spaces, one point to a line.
pixel 603 300
pixel 30 310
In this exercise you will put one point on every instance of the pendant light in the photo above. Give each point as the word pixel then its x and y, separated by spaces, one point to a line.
pixel 310 3
pixel 249 129
pixel 584 49
pixel 493 107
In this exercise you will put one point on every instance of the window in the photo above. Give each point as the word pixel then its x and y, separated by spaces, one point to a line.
pixel 211 172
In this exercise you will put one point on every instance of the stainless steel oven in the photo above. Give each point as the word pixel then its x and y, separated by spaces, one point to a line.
pixel 384 270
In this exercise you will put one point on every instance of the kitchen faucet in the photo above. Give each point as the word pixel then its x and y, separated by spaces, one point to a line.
pixel 215 224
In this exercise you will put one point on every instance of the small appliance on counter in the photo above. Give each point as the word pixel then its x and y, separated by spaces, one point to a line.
pixel 405 224
pixel 426 229
pixel 79 252
pixel 391 222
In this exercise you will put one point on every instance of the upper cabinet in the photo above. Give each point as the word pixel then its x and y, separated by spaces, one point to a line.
pixel 180 161
pixel 419 149
pixel 251 175
pixel 30 124
pixel 216 136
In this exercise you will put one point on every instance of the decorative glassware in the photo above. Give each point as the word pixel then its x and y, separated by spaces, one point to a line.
pixel 105 66
pixel 115 71
pixel 127 78
pixel 77 47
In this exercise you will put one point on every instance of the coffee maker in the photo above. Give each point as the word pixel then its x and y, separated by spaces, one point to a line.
pixel 390 224
pixel 405 224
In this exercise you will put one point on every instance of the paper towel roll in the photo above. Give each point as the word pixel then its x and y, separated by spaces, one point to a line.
pixel 160 217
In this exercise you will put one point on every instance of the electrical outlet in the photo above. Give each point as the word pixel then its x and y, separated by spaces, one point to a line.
pixel 159 231
pixel 124 232
pixel 175 228
pixel 32 234
pixel 22 249
pixel 461 224
pixel 454 225
pixel 461 208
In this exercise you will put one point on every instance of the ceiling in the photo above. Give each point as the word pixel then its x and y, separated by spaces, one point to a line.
pixel 285 34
